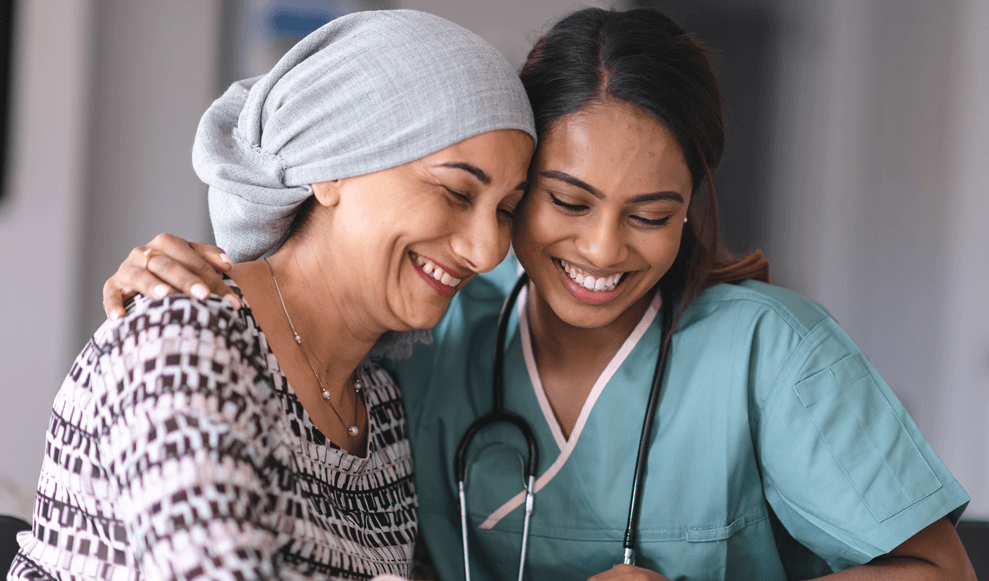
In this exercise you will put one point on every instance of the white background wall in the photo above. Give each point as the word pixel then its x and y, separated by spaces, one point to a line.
pixel 878 188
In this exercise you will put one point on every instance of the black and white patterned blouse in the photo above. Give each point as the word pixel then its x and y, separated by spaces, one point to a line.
pixel 177 450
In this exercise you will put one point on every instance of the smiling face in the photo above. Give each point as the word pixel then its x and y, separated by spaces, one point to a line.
pixel 405 239
pixel 602 221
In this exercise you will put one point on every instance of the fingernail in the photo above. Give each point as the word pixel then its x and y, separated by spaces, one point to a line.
pixel 226 259
pixel 233 301
pixel 199 291
pixel 114 315
pixel 160 291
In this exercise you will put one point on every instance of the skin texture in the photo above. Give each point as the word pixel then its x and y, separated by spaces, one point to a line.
pixel 359 250
pixel 609 193
pixel 620 153
pixel 353 271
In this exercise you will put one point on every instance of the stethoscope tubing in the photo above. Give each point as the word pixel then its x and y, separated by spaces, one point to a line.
pixel 500 414
pixel 644 439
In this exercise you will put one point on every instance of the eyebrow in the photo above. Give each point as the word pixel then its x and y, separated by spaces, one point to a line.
pixel 471 169
pixel 652 197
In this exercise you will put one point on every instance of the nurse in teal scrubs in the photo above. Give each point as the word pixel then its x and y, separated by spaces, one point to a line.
pixel 776 444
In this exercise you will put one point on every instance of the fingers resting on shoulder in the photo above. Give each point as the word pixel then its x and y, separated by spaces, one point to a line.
pixel 165 265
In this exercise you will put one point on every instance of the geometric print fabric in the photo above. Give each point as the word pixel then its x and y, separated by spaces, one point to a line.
pixel 177 450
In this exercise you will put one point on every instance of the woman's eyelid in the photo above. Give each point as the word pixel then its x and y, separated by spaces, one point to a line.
pixel 651 222
pixel 567 202
pixel 462 194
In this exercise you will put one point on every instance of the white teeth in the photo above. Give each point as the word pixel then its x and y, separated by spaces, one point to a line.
pixel 587 281
pixel 436 272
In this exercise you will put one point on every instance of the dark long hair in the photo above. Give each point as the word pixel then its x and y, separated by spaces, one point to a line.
pixel 643 58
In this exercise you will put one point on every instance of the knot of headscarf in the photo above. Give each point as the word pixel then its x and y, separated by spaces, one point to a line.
pixel 366 92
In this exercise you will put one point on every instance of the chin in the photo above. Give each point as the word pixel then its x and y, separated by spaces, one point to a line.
pixel 425 320
pixel 586 316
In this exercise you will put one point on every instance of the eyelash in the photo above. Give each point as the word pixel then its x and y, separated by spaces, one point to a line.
pixel 647 222
pixel 459 196
pixel 568 207
pixel 576 208
pixel 465 199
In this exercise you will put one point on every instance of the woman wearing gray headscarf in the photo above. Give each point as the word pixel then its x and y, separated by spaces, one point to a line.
pixel 192 439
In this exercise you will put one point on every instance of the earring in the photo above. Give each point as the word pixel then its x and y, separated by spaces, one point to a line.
pixel 684 219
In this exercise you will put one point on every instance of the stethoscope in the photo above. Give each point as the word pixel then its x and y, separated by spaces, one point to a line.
pixel 500 415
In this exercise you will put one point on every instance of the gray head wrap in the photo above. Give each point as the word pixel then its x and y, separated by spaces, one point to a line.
pixel 366 92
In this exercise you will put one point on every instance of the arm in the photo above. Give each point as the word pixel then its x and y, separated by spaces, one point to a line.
pixel 847 471
pixel 186 459
pixel 165 265
pixel 936 552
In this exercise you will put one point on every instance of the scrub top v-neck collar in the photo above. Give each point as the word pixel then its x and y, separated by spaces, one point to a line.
pixel 566 445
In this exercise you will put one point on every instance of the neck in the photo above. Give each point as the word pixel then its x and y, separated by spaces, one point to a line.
pixel 561 345
pixel 334 338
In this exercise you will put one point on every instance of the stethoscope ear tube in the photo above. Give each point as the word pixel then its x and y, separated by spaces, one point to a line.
pixel 647 422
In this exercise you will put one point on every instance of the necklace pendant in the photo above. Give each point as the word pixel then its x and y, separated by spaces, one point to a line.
pixel 357 385
pixel 353 431
pixel 326 394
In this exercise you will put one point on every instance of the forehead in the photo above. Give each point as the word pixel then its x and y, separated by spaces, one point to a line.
pixel 615 146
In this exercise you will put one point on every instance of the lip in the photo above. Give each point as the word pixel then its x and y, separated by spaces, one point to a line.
pixel 588 296
pixel 440 288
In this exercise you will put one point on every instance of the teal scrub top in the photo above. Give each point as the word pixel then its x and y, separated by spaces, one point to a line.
pixel 775 440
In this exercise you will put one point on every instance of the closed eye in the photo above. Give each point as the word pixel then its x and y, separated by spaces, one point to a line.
pixel 647 222
pixel 566 206
pixel 459 196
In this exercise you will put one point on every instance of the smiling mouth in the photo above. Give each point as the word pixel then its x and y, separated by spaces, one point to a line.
pixel 435 271
pixel 590 282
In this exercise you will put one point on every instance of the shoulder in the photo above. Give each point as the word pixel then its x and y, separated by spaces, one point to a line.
pixel 145 316
pixel 772 304
pixel 768 338
pixel 169 351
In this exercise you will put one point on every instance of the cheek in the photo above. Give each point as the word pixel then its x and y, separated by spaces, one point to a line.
pixel 661 251
pixel 424 217
pixel 505 238
pixel 540 226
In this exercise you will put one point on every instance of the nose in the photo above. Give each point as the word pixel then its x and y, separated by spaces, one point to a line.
pixel 481 241
pixel 602 242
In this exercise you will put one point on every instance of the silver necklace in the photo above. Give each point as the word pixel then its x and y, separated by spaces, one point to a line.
pixel 352 430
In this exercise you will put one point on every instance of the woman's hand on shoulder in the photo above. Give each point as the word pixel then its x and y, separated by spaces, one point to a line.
pixel 166 265
pixel 628 573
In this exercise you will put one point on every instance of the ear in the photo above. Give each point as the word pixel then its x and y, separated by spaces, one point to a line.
pixel 327 193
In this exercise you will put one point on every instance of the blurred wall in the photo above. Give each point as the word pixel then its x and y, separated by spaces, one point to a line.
pixel 879 169
pixel 107 95
pixel 874 166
